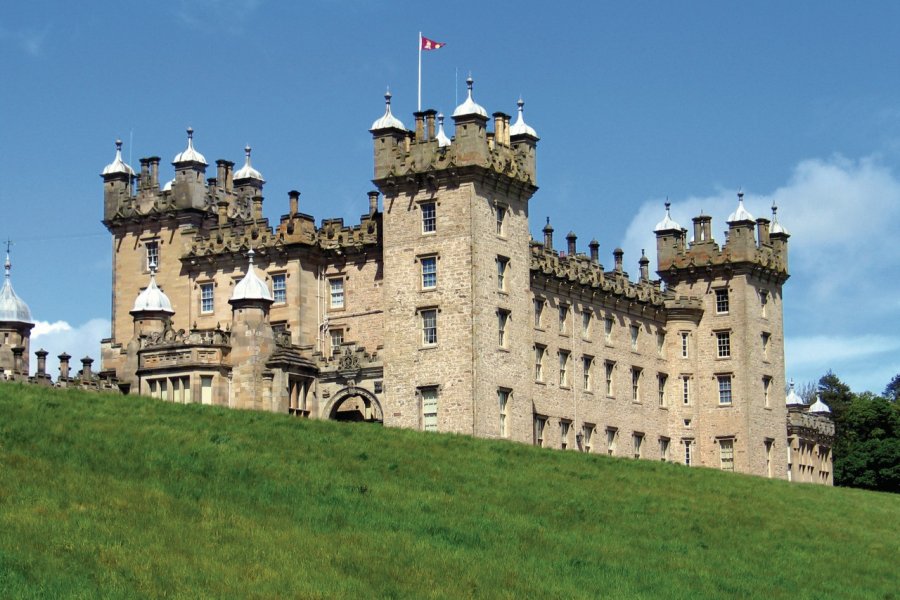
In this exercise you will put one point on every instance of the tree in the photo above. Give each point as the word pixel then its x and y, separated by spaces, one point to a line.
pixel 892 391
pixel 836 394
pixel 869 446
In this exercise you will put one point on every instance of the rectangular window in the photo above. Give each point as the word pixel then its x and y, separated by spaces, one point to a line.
pixel 206 297
pixel 763 302
pixel 563 317
pixel 664 449
pixel 726 454
pixel 586 363
pixel 686 389
pixel 336 285
pixel 612 437
pixel 429 326
pixel 538 312
pixel 279 287
pixel 539 363
pixel 722 301
pixel 723 344
pixel 501 219
pixel 768 444
pixel 564 428
pixel 660 342
pixel 502 264
pixel 635 384
pixel 724 389
pixel 767 385
pixel 429 217
pixel 637 442
pixel 608 329
pixel 540 422
pixel 563 368
pixel 152 255
pixel 429 407
pixel 337 338
pixel 502 322
pixel 587 436
pixel 503 400
pixel 688 452
pixel 429 272
pixel 685 336
pixel 661 379
pixel 206 389
pixel 586 324
pixel 635 331
pixel 610 369
pixel 765 344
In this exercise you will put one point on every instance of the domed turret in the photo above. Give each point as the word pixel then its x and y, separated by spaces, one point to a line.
pixel 776 227
pixel 118 166
pixel 469 107
pixel 667 224
pixel 793 398
pixel 388 121
pixel 152 299
pixel 442 139
pixel 189 155
pixel 819 407
pixel 247 171
pixel 520 127
pixel 741 213
pixel 12 308
pixel 251 287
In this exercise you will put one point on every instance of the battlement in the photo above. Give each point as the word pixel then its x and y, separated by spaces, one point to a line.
pixel 425 157
pixel 751 245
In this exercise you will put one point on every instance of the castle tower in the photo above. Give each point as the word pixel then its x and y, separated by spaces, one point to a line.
pixel 456 271
pixel 725 340
pixel 15 330
pixel 252 341
pixel 151 313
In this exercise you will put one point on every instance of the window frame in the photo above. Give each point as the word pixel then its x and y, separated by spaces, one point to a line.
pixel 722 301
pixel 726 454
pixel 502 273
pixel 500 212
pixel 538 308
pixel 279 294
pixel 424 393
pixel 610 372
pixel 662 380
pixel 503 397
pixel 563 318
pixel 429 217
pixel 723 344
pixel 725 386
pixel 564 368
pixel 151 254
pixel 503 316
pixel 587 364
pixel 210 308
pixel 337 294
pixel 426 340
pixel 636 373
pixel 540 351
pixel 428 272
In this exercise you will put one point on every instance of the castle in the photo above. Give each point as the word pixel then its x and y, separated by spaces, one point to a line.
pixel 439 312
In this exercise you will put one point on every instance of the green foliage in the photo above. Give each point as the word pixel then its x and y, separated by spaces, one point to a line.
pixel 892 390
pixel 122 497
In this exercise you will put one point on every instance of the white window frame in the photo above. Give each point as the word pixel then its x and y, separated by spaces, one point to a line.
pixel 722 301
pixel 538 312
pixel 725 385
pixel 564 368
pixel 726 454
pixel 427 394
pixel 587 363
pixel 500 211
pixel 636 373
pixel 428 324
pixel 337 293
pixel 539 353
pixel 662 379
pixel 502 324
pixel 428 268
pixel 279 288
pixel 723 344
pixel 429 217
pixel 503 395
pixel 502 272
pixel 207 298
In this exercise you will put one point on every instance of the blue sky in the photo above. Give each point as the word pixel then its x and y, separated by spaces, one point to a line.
pixel 634 102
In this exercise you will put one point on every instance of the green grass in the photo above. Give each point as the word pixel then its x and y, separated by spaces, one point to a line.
pixel 108 496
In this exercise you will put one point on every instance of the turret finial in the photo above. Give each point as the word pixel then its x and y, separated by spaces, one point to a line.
pixel 118 145
pixel 190 132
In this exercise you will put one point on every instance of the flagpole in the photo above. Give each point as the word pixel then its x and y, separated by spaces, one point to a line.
pixel 419 104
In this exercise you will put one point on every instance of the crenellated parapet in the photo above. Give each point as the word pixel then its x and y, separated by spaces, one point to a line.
pixel 757 246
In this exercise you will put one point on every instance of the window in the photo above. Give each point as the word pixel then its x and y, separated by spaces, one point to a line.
pixel 540 422
pixel 501 218
pixel 563 368
pixel 337 292
pixel 539 363
pixel 726 455
pixel 660 342
pixel 686 389
pixel 767 385
pixel 612 437
pixel 610 368
pixel 429 397
pixel 429 217
pixel 206 297
pixel 337 338
pixel 635 384
pixel 635 331
pixel 765 344
pixel 502 264
pixel 608 329
pixel 685 336
pixel 503 400
pixel 564 428
pixel 661 379
pixel 587 436
pixel 429 326
pixel 206 382
pixel 429 272
pixel 502 321
pixel 768 444
pixel 563 317
pixel 637 442
pixel 586 324
pixel 279 287
pixel 664 449
pixel 688 452
pixel 724 389
pixel 722 301
pixel 152 254
pixel 586 363
pixel 723 344
pixel 763 302
pixel 538 311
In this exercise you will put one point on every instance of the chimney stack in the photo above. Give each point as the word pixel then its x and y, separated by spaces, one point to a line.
pixel 63 366
pixel 429 122
pixel 595 251
pixel 570 246
pixel 373 202
pixel 294 199
pixel 618 253
pixel 86 363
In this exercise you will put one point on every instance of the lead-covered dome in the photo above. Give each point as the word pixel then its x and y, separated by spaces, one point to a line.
pixel 189 154
pixel 12 308
pixel 520 127
pixel 247 171
pixel 152 299
pixel 741 213
pixel 470 107
pixel 667 224
pixel 118 166
pixel 251 287
pixel 388 121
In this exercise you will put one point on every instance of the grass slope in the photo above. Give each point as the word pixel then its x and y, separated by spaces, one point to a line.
pixel 107 496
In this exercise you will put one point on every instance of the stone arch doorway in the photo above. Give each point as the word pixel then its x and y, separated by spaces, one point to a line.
pixel 355 404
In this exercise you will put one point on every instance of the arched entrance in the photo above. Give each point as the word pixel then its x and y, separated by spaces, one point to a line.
pixel 355 404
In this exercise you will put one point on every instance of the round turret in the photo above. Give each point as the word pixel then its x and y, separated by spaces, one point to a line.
pixel 388 121
pixel 469 107
pixel 776 227
pixel 247 171
pixel 189 155
pixel 152 299
pixel 442 139
pixel 793 398
pixel 667 224
pixel 251 287
pixel 12 308
pixel 118 166
pixel 520 127
pixel 819 407
pixel 741 213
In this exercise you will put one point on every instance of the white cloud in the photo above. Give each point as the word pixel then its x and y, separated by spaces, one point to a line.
pixel 30 41
pixel 229 14
pixel 80 341
pixel 841 308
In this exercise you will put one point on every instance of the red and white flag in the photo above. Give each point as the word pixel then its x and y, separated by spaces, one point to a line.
pixel 431 44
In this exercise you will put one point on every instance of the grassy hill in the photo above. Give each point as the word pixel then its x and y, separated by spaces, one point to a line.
pixel 107 496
